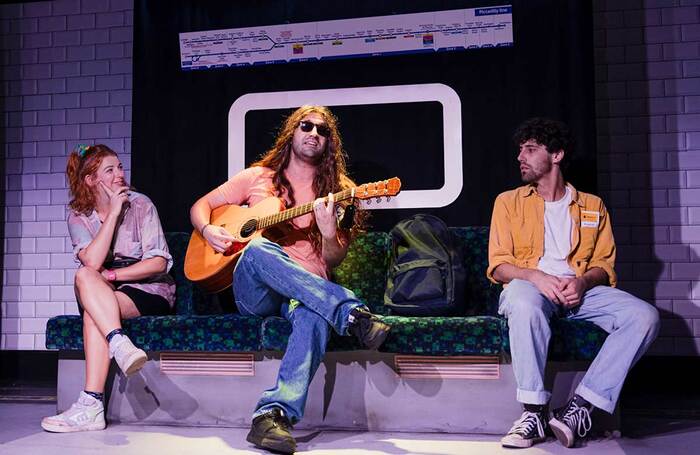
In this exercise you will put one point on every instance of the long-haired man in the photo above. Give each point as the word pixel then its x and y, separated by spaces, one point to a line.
pixel 290 276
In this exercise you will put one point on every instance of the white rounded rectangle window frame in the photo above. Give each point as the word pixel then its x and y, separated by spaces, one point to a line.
pixel 390 94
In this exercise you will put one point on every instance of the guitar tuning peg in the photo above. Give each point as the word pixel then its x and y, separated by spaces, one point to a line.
pixel 388 198
pixel 369 201
pixel 379 199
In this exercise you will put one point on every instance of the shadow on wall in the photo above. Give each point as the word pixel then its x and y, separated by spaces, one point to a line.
pixel 641 181
pixel 686 261
pixel 672 259
pixel 639 185
pixel 3 204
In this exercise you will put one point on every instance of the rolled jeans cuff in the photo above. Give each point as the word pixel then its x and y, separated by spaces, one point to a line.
pixel 595 399
pixel 269 407
pixel 530 397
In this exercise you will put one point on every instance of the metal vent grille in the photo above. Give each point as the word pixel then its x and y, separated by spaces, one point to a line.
pixel 207 364
pixel 457 367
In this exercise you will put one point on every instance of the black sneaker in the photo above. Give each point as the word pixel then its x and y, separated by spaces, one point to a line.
pixel 272 431
pixel 570 423
pixel 368 328
pixel 526 431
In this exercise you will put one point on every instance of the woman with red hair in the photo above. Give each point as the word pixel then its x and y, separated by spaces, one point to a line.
pixel 123 262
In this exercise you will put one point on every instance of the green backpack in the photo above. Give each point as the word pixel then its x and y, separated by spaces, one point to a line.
pixel 426 275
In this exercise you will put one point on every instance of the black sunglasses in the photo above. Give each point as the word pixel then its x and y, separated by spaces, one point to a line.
pixel 307 126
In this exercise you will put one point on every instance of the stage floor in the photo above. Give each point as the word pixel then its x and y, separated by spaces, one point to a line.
pixel 20 433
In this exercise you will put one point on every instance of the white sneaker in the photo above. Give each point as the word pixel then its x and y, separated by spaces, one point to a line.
pixel 129 358
pixel 86 414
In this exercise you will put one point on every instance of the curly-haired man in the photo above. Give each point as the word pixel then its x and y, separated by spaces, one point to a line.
pixel 553 249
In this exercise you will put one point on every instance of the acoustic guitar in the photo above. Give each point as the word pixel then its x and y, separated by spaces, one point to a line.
pixel 213 271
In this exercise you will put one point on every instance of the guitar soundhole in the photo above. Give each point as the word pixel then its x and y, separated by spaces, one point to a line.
pixel 248 228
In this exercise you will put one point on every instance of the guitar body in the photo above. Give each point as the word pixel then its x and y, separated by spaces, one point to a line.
pixel 214 271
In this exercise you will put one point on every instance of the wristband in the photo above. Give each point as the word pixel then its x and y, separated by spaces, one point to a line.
pixel 111 275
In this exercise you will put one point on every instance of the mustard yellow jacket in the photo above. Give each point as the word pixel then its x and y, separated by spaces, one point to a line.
pixel 517 232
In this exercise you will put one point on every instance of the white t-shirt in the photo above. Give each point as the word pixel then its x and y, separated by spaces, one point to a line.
pixel 557 237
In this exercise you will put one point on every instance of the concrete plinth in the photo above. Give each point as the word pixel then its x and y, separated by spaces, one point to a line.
pixel 351 390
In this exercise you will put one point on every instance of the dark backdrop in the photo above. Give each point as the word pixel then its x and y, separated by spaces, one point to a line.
pixel 179 142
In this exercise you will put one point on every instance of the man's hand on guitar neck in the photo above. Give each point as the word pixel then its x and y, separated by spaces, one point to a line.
pixel 217 237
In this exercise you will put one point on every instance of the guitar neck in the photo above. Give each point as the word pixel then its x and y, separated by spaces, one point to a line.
pixel 285 215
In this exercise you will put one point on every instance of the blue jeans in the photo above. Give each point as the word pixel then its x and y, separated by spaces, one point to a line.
pixel 631 323
pixel 265 279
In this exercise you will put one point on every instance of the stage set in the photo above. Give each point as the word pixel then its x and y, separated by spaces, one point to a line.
pixel 134 129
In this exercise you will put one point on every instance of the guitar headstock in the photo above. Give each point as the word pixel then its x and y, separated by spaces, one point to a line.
pixel 390 187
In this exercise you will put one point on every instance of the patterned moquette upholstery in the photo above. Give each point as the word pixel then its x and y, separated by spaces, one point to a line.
pixel 364 269
pixel 478 335
pixel 199 325
pixel 481 294
pixel 189 298
pixel 419 336
pixel 214 333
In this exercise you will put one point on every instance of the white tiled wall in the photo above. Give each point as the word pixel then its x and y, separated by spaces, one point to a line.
pixel 648 111
pixel 66 79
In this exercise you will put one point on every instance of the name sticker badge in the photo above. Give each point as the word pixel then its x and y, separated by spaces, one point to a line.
pixel 590 218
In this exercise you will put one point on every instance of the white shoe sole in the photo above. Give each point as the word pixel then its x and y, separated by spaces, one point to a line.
pixel 48 426
pixel 519 443
pixel 135 362
pixel 562 432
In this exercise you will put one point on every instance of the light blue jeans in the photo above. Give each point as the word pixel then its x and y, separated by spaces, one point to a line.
pixel 265 279
pixel 631 323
